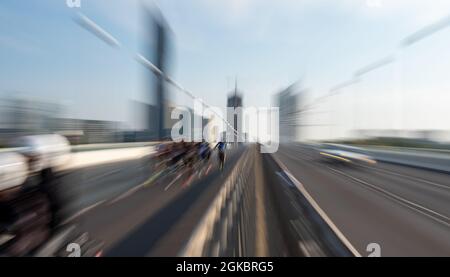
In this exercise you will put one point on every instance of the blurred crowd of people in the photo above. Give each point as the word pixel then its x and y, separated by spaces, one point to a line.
pixel 185 158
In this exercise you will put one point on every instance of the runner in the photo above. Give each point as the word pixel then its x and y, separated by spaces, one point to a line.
pixel 221 147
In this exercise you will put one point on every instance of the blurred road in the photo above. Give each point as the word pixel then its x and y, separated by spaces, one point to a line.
pixel 405 210
pixel 138 220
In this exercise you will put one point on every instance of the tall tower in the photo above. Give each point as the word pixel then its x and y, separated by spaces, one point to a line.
pixel 235 101
pixel 157 50
pixel 161 53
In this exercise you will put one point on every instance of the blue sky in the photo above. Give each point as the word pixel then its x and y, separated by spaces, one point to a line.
pixel 267 44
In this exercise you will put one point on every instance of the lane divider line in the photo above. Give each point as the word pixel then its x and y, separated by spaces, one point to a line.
pixel 407 203
pixel 408 177
pixel 173 181
pixel 319 210
pixel 83 211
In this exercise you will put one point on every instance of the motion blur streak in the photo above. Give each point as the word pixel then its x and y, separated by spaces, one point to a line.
pixel 90 100
pixel 90 26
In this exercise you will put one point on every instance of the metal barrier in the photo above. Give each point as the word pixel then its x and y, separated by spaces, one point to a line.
pixel 228 227
pixel 292 224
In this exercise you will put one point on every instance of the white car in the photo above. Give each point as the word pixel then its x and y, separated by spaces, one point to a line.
pixel 344 155
pixel 13 170
pixel 49 151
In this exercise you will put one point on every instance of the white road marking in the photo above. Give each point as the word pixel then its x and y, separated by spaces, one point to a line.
pixel 103 175
pixel 128 193
pixel 409 177
pixel 173 181
pixel 284 179
pixel 83 211
pixel 319 210
pixel 407 203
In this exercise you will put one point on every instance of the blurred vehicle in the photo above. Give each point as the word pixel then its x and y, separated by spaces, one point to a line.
pixel 13 170
pixel 25 214
pixel 44 151
pixel 344 155
pixel 31 206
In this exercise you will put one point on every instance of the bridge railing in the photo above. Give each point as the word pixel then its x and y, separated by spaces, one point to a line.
pixel 228 226
pixel 291 224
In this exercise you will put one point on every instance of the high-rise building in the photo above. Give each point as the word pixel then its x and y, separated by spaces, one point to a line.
pixel 235 118
pixel 158 52
pixel 288 103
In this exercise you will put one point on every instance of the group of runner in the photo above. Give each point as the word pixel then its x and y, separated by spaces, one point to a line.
pixel 184 156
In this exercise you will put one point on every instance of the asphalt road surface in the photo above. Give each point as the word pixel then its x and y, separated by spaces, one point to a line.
pixel 134 219
pixel 405 210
